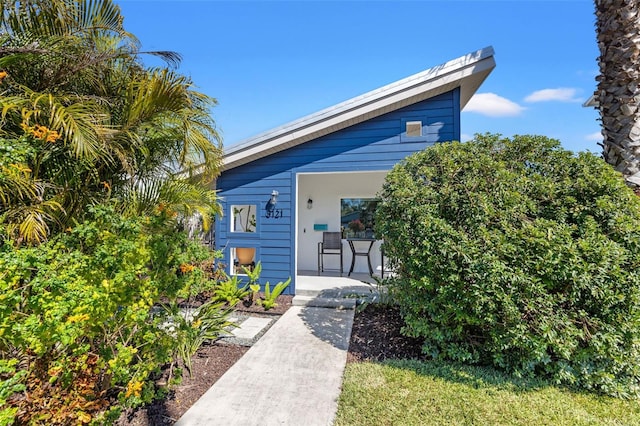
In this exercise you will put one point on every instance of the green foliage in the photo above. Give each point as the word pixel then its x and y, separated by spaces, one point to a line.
pixel 254 287
pixel 253 274
pixel 230 290
pixel 269 300
pixel 78 308
pixel 83 121
pixel 86 124
pixel 192 327
pixel 11 382
pixel 517 253
pixel 380 293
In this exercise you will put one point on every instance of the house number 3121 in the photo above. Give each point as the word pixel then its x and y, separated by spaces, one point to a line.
pixel 275 213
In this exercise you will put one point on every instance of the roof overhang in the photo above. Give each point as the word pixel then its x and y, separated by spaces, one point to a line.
pixel 591 102
pixel 467 72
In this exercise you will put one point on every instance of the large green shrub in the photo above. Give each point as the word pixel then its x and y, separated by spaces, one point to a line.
pixel 520 254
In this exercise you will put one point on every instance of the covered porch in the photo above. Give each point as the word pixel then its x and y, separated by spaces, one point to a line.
pixel 330 202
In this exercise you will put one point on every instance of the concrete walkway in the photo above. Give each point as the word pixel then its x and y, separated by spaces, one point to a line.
pixel 291 376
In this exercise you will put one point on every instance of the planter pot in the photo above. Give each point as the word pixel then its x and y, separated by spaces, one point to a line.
pixel 245 255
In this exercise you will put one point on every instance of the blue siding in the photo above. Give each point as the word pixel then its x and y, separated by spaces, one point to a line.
pixel 376 144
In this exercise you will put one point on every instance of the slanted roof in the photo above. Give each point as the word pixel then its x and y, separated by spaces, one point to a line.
pixel 591 102
pixel 467 72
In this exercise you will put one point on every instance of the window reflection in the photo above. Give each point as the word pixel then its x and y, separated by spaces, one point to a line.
pixel 358 217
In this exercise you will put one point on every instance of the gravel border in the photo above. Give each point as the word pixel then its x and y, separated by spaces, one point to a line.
pixel 240 318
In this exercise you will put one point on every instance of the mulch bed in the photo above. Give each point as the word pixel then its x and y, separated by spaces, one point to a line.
pixel 208 365
pixel 375 337
pixel 283 303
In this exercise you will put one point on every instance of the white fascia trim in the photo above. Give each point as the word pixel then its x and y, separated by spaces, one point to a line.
pixel 413 89
pixel 591 102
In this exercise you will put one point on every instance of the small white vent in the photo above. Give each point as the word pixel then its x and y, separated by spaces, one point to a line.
pixel 414 129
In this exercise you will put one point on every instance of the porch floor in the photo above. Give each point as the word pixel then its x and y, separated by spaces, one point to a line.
pixel 311 280
pixel 332 290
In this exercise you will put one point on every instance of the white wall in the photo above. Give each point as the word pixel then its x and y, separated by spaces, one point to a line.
pixel 326 190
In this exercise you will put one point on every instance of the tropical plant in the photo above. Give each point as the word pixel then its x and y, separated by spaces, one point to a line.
pixel 380 294
pixel 102 162
pixel 270 296
pixel 192 327
pixel 253 274
pixel 520 254
pixel 618 36
pixel 230 290
pixel 77 311
pixel 103 127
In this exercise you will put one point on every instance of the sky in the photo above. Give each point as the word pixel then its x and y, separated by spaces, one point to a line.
pixel 270 62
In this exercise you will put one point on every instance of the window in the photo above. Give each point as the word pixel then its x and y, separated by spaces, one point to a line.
pixel 357 216
pixel 243 218
pixel 242 257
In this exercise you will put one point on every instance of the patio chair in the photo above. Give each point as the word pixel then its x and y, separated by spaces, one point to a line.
pixel 331 244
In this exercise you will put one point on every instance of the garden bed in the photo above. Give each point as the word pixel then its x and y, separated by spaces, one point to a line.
pixel 208 365
pixel 375 336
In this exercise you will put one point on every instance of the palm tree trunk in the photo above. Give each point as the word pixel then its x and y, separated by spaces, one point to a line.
pixel 618 93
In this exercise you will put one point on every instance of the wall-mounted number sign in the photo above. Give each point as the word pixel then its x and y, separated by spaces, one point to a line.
pixel 274 213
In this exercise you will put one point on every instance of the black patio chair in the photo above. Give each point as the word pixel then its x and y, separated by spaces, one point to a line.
pixel 331 244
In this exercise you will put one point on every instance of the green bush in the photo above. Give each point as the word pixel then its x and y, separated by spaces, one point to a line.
pixel 519 254
pixel 76 312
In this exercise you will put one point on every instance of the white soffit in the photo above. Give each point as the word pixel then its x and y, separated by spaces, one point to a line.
pixel 467 72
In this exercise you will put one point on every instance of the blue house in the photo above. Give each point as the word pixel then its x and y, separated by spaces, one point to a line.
pixel 281 190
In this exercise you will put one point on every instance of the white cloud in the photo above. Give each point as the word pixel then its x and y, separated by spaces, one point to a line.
pixel 595 136
pixel 561 94
pixel 465 137
pixel 493 105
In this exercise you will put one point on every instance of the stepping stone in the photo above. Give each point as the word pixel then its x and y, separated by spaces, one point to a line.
pixel 250 327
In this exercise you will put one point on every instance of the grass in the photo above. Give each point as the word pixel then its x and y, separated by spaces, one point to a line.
pixel 435 393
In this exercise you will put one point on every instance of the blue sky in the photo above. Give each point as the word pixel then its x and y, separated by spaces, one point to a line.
pixel 270 62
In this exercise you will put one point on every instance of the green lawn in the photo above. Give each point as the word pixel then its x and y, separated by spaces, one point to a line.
pixel 433 393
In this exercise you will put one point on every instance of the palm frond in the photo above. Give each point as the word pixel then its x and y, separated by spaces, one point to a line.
pixel 155 93
pixel 62 18
pixel 188 199
pixel 96 15
pixel 173 59
pixel 178 195
pixel 30 224
pixel 15 185
pixel 79 123
pixel 202 146
pixel 27 217
pixel 141 197
pixel 74 69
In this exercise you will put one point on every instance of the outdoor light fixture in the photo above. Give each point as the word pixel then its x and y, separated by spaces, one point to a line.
pixel 271 204
pixel 309 203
